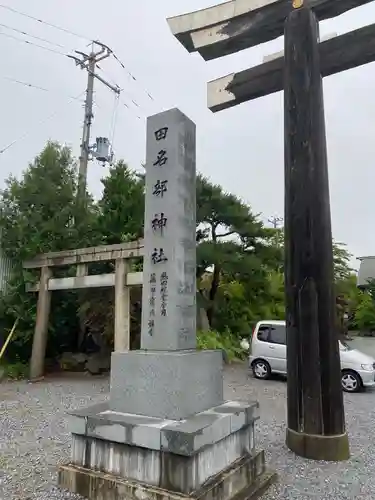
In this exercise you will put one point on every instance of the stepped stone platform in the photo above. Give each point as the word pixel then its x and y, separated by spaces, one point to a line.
pixel 209 455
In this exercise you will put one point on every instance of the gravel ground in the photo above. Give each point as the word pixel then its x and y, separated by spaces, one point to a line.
pixel 34 439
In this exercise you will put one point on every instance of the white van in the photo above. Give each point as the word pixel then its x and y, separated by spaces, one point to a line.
pixel 268 355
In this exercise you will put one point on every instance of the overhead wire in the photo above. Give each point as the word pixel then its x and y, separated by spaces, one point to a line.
pixel 28 132
pixel 58 53
pixel 25 33
pixel 130 109
pixel 108 76
pixel 37 87
pixel 25 84
pixel 41 21
pixel 132 76
pixel 114 120
pixel 133 101
pixel 48 49
pixel 70 32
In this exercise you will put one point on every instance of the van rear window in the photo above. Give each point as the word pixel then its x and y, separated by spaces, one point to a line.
pixel 277 334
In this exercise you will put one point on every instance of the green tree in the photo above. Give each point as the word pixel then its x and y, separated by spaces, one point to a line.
pixel 365 311
pixel 120 219
pixel 38 214
pixel 121 206
pixel 341 261
pixel 232 247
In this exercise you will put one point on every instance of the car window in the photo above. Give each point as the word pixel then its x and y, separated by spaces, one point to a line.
pixel 344 346
pixel 277 334
pixel 263 333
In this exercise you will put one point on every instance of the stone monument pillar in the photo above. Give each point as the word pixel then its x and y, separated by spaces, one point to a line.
pixel 166 430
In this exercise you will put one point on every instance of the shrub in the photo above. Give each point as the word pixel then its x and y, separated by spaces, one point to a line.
pixel 365 313
pixel 14 371
pixel 226 342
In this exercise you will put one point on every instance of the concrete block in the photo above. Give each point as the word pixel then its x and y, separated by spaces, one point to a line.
pixel 76 424
pixel 241 412
pixel 178 472
pixel 92 410
pixel 163 384
pixel 246 478
pixel 181 437
pixel 187 436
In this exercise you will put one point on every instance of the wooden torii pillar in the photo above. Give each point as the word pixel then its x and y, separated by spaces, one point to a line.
pixel 316 423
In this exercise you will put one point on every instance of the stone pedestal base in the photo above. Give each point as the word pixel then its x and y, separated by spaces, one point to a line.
pixel 115 454
pixel 244 480
pixel 166 384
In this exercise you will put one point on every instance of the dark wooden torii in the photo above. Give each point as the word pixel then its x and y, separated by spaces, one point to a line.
pixel 316 421
pixel 338 54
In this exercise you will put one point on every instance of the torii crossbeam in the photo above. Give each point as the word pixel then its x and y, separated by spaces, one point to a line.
pixel 316 422
pixel 338 54
pixel 239 24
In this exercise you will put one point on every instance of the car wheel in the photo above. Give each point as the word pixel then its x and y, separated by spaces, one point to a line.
pixel 261 369
pixel 351 381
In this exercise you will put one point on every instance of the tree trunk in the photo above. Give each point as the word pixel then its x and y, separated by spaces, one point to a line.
pixel 212 295
pixel 202 320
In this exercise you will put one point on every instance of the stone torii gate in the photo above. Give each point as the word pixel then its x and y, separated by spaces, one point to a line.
pixel 122 279
pixel 316 423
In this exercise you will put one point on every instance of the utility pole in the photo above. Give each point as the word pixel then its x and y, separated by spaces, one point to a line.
pixel 85 144
pixel 89 62
pixel 275 221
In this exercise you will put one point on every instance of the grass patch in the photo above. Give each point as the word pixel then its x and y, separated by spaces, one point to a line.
pixel 14 371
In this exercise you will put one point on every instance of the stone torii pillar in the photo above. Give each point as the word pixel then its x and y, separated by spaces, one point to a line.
pixel 122 307
pixel 41 326
pixel 316 425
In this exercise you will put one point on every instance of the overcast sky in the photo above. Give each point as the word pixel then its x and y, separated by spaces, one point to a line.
pixel 241 148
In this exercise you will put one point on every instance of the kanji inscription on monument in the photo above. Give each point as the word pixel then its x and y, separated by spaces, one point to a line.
pixel 169 295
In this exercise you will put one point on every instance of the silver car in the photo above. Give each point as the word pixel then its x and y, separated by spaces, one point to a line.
pixel 268 355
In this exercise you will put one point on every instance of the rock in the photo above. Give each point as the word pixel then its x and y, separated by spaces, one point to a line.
pixel 98 363
pixel 74 362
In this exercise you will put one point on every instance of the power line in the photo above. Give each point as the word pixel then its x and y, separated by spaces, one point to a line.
pixel 128 107
pixel 108 76
pixel 64 30
pixel 131 75
pixel 25 84
pixel 120 101
pixel 37 87
pixel 41 21
pixel 116 85
pixel 25 33
pixel 114 120
pixel 28 132
pixel 70 32
pixel 33 44
pixel 122 90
